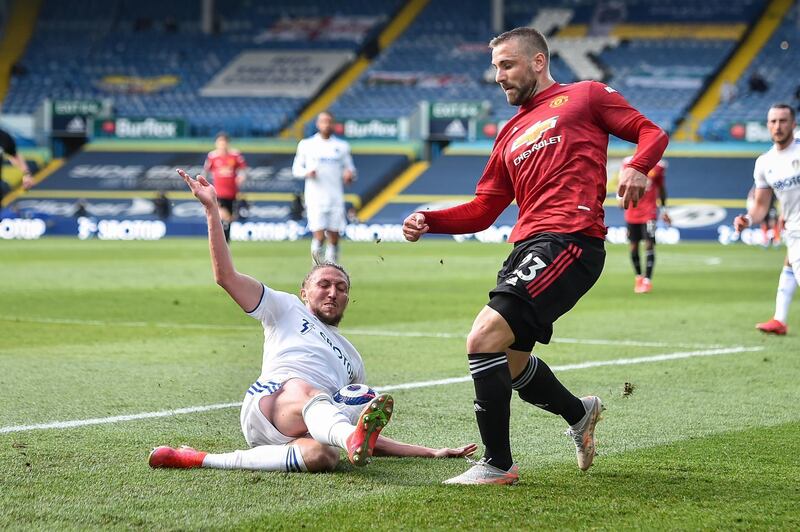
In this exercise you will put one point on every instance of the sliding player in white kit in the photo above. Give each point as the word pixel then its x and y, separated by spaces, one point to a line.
pixel 288 416
pixel 778 171
pixel 324 161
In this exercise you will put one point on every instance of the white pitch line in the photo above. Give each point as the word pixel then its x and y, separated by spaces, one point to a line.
pixel 388 388
pixel 116 419
pixel 145 324
pixel 349 332
pixel 587 341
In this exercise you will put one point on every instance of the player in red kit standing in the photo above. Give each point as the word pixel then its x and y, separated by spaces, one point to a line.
pixel 642 220
pixel 227 169
pixel 551 158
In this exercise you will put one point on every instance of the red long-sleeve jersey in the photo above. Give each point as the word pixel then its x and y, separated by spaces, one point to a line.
pixel 224 167
pixel 551 157
pixel 647 208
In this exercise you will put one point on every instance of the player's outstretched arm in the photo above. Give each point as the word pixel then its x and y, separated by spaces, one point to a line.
pixel 414 227
pixel 387 447
pixel 245 290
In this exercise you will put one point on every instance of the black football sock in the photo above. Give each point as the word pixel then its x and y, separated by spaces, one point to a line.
pixel 492 382
pixel 637 263
pixel 650 261
pixel 538 386
pixel 226 228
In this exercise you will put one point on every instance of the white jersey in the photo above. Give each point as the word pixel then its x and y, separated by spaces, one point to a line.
pixel 780 171
pixel 330 158
pixel 297 344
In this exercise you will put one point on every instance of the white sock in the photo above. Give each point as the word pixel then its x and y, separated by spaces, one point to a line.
pixel 326 423
pixel 316 248
pixel 332 253
pixel 787 284
pixel 262 458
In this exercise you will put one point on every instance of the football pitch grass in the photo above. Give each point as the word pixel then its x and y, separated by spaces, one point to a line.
pixel 705 436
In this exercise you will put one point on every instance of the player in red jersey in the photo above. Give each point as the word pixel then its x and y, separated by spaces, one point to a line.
pixel 642 220
pixel 551 158
pixel 227 169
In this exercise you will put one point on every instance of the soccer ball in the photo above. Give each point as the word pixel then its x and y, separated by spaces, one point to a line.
pixel 352 398
pixel 355 395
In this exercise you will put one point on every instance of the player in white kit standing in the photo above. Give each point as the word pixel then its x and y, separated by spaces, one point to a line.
pixel 324 161
pixel 288 416
pixel 777 171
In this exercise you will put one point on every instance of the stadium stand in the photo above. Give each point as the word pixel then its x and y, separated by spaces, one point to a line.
pixel 776 64
pixel 151 58
pixel 443 55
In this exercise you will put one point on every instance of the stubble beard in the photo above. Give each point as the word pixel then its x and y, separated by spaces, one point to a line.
pixel 330 320
pixel 783 141
pixel 521 98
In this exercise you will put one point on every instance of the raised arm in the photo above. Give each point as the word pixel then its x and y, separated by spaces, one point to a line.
pixel 388 447
pixel 245 290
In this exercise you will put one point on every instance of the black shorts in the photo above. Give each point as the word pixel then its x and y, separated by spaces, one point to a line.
pixel 645 231
pixel 226 203
pixel 541 280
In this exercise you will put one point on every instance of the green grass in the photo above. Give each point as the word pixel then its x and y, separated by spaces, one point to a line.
pixel 95 329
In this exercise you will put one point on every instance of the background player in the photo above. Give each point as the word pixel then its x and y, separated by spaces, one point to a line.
pixel 777 171
pixel 642 220
pixel 9 148
pixel 324 161
pixel 288 416
pixel 227 169
pixel 551 158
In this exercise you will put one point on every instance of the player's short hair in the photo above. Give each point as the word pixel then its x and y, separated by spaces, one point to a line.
pixel 783 106
pixel 222 135
pixel 326 264
pixel 326 112
pixel 532 39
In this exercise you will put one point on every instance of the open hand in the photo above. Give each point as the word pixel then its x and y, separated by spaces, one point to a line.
pixel 201 188
pixel 458 452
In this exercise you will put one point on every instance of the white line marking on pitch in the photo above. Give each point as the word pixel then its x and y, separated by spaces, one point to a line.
pixel 349 332
pixel 587 341
pixel 387 388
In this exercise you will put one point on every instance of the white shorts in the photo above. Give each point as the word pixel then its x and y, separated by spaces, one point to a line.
pixel 256 428
pixel 330 218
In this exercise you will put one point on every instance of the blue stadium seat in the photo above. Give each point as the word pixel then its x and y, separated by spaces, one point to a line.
pixel 76 44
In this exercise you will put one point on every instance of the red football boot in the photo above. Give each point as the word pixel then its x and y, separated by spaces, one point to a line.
pixel 374 417
pixel 182 457
pixel 773 326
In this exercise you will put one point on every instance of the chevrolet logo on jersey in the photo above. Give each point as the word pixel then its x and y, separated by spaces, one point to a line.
pixel 534 133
